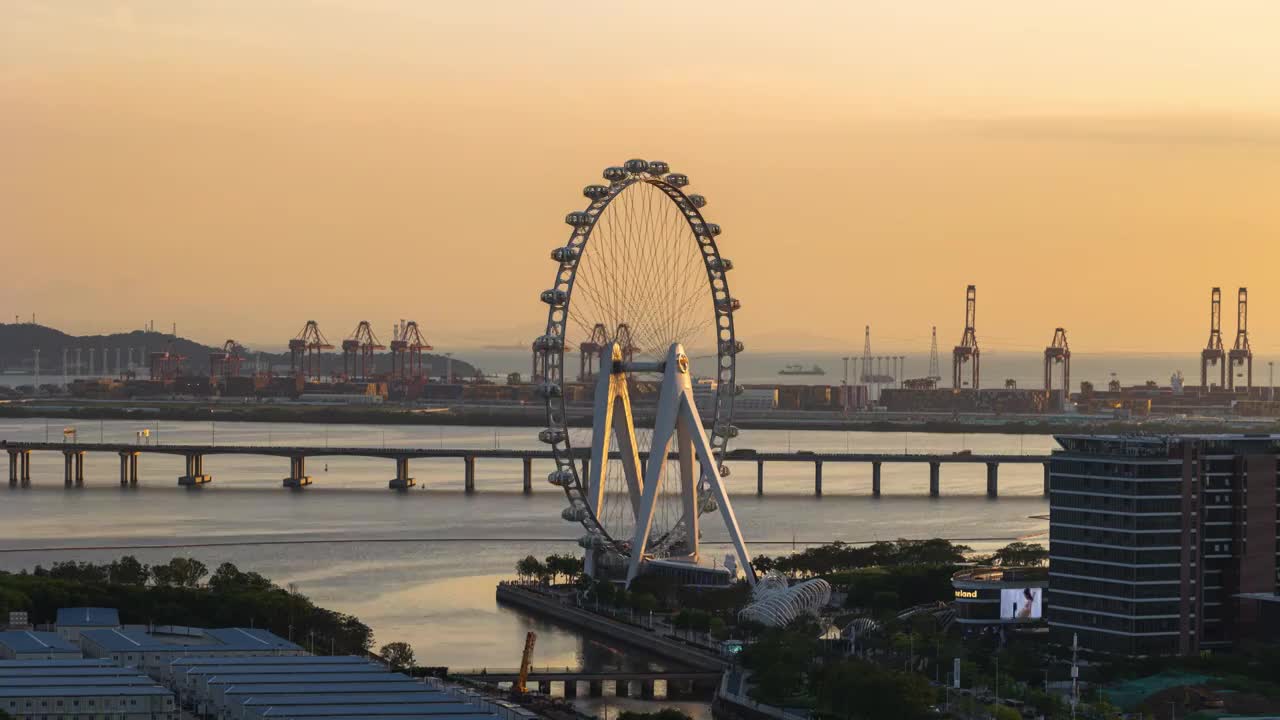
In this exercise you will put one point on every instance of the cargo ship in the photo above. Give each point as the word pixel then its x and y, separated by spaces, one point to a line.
pixel 802 370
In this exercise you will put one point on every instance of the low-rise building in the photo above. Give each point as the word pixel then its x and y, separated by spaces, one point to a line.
pixel 75 690
pixel 153 651
pixel 73 621
pixel 991 596
pixel 35 645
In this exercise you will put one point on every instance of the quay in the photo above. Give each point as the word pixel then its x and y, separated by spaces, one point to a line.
pixel 195 476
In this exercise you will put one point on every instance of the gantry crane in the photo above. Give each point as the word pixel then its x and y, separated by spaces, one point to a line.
pixel 967 350
pixel 1058 353
pixel 304 352
pixel 225 363
pixel 359 352
pixel 1241 355
pixel 1213 353
pixel 406 351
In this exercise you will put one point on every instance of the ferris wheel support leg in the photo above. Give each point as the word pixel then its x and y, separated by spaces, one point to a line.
pixel 709 471
pixel 669 401
pixel 688 483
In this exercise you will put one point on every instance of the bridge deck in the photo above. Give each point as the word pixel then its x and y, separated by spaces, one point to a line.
pixel 743 455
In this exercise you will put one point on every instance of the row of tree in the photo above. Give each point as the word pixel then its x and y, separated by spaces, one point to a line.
pixel 181 592
pixel 838 556
pixel 550 570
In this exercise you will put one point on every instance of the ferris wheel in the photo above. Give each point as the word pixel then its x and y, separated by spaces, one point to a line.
pixel 641 296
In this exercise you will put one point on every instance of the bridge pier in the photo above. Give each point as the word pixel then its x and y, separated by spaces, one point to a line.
pixel 1046 480
pixel 622 688
pixel 194 476
pixel 817 478
pixel 935 468
pixel 993 479
pixel 73 464
pixel 298 477
pixel 595 688
pixel 402 480
pixel 646 689
pixel 571 688
pixel 875 478
pixel 469 475
pixel 20 468
pixel 759 478
pixel 528 479
pixel 128 468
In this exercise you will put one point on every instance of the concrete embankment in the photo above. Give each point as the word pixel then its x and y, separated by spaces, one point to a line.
pixel 550 606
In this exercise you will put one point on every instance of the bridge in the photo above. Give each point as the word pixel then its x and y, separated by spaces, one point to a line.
pixel 195 476
pixel 682 682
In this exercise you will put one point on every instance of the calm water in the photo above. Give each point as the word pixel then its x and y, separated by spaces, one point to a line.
pixel 422 566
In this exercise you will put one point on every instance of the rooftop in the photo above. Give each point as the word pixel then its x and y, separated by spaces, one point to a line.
pixel 271 660
pixel 82 690
pixel 208 642
pixel 58 663
pixel 428 696
pixel 29 641
pixel 456 709
pixel 88 617
pixel 399 683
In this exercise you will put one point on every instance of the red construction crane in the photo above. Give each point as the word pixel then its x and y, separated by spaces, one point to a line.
pixel 1058 353
pixel 225 363
pixel 1213 354
pixel 406 352
pixel 967 350
pixel 1241 355
pixel 304 352
pixel 359 353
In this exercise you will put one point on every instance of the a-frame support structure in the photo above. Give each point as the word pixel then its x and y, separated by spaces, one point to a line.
pixel 677 423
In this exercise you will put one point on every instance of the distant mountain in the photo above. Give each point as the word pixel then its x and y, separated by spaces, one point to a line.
pixel 18 342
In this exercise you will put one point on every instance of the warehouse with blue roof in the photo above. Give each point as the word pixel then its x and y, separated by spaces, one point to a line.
pixel 35 645
pixel 72 690
pixel 75 620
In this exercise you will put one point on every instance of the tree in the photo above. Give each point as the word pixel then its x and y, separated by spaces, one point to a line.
pixel 128 571
pixel 719 630
pixel 863 690
pixel 180 572
pixel 229 578
pixel 1021 553
pixel 1003 712
pixel 397 655
pixel 530 568
pixel 667 713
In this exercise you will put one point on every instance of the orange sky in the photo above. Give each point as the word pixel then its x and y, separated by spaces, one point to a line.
pixel 241 167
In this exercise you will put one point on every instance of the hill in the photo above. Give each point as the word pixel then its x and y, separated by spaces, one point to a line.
pixel 19 340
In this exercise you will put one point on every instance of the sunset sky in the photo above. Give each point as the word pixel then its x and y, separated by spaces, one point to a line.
pixel 241 167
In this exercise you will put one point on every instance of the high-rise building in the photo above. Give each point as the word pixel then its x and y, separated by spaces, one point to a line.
pixel 1162 545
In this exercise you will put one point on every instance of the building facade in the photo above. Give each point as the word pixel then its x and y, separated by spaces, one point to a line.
pixel 1155 541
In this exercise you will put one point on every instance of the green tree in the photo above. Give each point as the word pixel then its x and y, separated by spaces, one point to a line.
pixel 644 602
pixel 397 655
pixel 229 578
pixel 1021 553
pixel 863 690
pixel 128 571
pixel 179 572
pixel 1003 712
pixel 530 568
pixel 668 713
pixel 719 630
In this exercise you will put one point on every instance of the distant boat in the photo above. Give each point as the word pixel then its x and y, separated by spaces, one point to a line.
pixel 802 370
